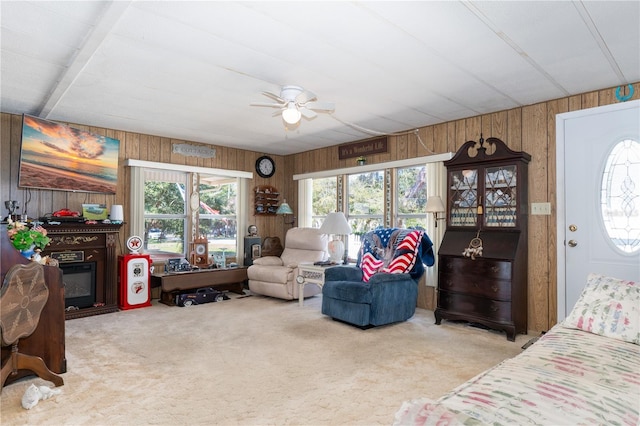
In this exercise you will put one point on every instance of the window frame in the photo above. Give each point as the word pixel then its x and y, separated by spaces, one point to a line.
pixel 212 243
pixel 171 178
pixel 397 216
pixel 436 185
pixel 136 204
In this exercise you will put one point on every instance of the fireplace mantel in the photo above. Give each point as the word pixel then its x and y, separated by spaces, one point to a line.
pixel 97 244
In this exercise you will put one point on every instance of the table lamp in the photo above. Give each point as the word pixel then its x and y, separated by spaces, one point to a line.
pixel 335 223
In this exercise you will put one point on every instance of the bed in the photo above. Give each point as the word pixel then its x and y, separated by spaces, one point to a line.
pixel 585 370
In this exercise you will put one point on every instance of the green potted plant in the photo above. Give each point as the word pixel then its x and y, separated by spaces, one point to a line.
pixel 26 239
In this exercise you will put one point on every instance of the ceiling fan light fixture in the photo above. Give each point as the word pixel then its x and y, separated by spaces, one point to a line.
pixel 291 115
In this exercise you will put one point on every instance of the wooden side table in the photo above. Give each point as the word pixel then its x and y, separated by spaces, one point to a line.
pixel 308 273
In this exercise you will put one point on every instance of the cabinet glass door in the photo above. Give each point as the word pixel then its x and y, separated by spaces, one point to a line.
pixel 463 197
pixel 500 203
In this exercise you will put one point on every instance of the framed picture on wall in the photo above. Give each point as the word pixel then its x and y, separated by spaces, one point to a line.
pixel 58 157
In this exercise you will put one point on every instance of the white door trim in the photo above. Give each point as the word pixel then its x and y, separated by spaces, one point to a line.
pixel 560 190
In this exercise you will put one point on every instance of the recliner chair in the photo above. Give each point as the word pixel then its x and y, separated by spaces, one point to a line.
pixel 383 287
pixel 276 276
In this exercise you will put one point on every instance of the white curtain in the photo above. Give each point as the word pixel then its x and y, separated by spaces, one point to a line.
pixel 136 203
pixel 305 203
pixel 436 185
pixel 241 216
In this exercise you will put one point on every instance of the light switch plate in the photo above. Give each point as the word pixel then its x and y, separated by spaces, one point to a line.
pixel 541 208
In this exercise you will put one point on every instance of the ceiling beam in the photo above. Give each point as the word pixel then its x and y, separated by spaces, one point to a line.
pixel 112 14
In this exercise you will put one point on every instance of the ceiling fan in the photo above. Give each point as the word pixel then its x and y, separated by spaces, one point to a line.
pixel 295 102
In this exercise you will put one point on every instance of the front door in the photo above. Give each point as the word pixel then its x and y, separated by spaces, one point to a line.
pixel 598 205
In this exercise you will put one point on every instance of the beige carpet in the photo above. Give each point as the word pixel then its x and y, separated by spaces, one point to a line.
pixel 252 361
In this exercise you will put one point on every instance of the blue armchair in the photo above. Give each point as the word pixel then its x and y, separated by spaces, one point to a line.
pixel 385 297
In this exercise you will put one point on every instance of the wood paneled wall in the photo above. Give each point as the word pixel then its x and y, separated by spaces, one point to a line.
pixel 529 128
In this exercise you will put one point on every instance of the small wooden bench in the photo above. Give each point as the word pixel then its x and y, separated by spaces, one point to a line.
pixel 170 283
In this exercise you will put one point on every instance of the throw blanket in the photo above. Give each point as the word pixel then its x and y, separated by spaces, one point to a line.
pixel 396 250
pixel 567 377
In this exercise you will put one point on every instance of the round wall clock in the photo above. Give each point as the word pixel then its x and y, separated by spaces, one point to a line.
pixel 265 166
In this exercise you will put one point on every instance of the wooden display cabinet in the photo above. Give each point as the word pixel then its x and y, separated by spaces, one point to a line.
pixel 483 256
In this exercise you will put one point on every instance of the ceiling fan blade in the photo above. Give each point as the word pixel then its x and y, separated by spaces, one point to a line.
pixel 305 96
pixel 321 106
pixel 265 104
pixel 307 113
pixel 274 97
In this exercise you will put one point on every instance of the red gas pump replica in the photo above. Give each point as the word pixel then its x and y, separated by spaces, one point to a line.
pixel 135 276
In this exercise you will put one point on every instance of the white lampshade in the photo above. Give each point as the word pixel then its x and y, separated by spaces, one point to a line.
pixel 291 115
pixel 116 215
pixel 336 224
pixel 435 204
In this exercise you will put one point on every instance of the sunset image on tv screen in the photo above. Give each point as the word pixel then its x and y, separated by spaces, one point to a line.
pixel 56 156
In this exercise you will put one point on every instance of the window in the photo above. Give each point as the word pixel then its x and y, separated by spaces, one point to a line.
pixel 218 214
pixel 411 200
pixel 165 212
pixel 324 199
pixel 365 206
pixel 376 195
pixel 619 196
pixel 159 210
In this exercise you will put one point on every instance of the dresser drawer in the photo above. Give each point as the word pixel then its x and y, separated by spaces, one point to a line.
pixel 489 268
pixel 494 310
pixel 476 285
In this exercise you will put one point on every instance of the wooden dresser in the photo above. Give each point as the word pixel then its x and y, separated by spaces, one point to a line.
pixel 483 255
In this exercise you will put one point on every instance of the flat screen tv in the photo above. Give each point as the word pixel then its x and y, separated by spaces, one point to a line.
pixel 56 156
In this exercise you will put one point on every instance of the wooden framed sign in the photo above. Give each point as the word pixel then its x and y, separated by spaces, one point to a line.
pixel 362 148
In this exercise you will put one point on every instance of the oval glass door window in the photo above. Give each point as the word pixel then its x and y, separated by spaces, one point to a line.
pixel 620 196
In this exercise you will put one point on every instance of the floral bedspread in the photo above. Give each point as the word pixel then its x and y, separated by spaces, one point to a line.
pixel 568 377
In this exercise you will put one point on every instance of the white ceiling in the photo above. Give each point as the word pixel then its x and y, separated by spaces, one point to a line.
pixel 189 70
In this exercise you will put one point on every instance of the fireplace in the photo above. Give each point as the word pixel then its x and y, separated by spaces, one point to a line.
pixel 79 284
pixel 78 245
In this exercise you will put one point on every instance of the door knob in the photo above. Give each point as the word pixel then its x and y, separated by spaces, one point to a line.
pixel 573 228
pixel 572 243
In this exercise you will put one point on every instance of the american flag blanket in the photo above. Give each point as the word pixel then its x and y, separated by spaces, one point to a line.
pixel 396 250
